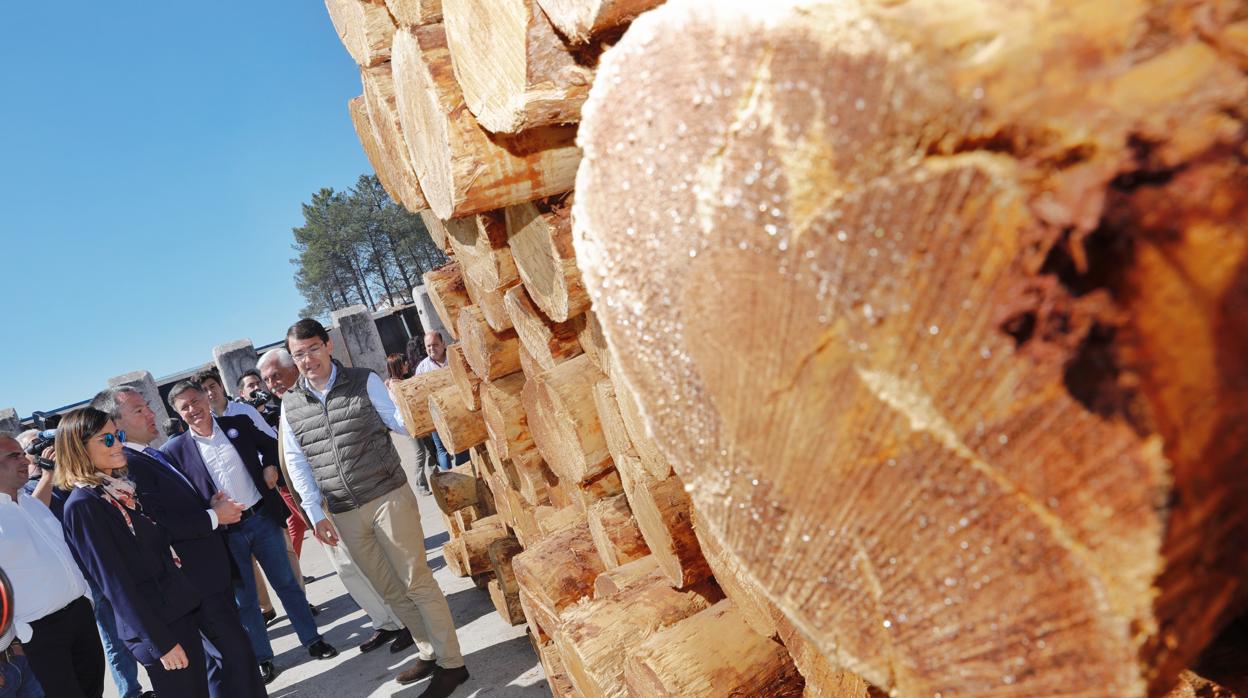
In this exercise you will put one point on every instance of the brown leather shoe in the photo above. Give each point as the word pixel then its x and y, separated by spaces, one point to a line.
pixel 445 681
pixel 419 670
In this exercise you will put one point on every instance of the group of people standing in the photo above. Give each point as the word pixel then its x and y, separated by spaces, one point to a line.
pixel 161 542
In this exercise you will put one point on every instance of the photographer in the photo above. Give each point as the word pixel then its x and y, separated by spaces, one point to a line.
pixel 40 454
pixel 251 391
pixel 221 405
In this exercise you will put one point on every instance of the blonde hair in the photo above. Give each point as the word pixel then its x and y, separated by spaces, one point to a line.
pixel 73 461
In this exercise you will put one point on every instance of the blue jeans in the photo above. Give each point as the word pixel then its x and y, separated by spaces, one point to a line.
pixel 121 664
pixel 262 537
pixel 19 679
pixel 444 458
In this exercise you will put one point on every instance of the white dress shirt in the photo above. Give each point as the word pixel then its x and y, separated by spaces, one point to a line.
pixel 37 560
pixel 226 467
pixel 234 409
pixel 138 447
pixel 426 365
pixel 300 470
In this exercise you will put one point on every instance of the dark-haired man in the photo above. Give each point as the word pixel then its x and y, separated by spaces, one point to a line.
pixel 231 455
pixel 335 431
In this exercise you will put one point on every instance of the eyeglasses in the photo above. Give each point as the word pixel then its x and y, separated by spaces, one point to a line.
pixel 110 439
pixel 305 355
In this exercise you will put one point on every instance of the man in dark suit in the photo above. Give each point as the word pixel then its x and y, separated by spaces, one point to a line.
pixel 230 455
pixel 196 527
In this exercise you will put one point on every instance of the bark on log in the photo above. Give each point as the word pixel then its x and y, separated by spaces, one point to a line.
pixel 466 381
pixel 596 637
pixel 663 514
pixel 458 427
pixel 505 419
pixel 615 532
pixel 412 397
pixel 516 73
pixel 709 654
pixel 995 275
pixel 539 234
pixel 564 421
pixel 615 580
pixel 448 295
pixel 491 354
pixel 453 489
pixel 580 20
pixel 383 116
pixel 481 249
pixel 365 28
pixel 549 343
pixel 461 168
pixel 414 13
pixel 558 571
pixel 477 541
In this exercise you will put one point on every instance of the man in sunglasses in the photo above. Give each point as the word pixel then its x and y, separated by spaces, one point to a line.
pixel 335 429
pixel 231 455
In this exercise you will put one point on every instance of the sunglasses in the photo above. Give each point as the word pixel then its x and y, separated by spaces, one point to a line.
pixel 110 439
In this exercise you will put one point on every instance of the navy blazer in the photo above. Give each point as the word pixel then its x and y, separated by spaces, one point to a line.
pixel 257 449
pixel 135 571
pixel 183 511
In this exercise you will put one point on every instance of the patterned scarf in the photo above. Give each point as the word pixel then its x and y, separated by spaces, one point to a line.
pixel 120 492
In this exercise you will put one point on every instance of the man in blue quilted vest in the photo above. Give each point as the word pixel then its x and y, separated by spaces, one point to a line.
pixel 335 429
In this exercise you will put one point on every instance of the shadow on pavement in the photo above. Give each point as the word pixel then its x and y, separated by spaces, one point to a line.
pixel 490 671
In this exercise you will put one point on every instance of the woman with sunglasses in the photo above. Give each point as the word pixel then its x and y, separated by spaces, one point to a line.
pixel 128 556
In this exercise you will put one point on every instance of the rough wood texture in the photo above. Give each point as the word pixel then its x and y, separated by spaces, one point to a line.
pixel 604 485
pixel 505 419
pixel 507 606
pixel 365 28
pixel 466 382
pixel 481 249
pixel 395 165
pixel 623 455
pixel 615 532
pixel 594 344
pixel 539 234
pixel 358 111
pixel 538 620
pixel 709 654
pixel 992 260
pixel 597 636
pixel 614 580
pixel 412 397
pixel 559 570
pixel 663 514
pixel 454 489
pixel 548 343
pixel 824 679
pixel 564 421
pixel 751 602
pixel 448 295
pixel 414 13
pixel 515 72
pixel 453 556
pixel 490 301
pixel 501 553
pixel 552 519
pixel 477 541
pixel 461 168
pixel 458 427
pixel 579 20
pixel 560 685
pixel 653 459
pixel 491 354
pixel 535 478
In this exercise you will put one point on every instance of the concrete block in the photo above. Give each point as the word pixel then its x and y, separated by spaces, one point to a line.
pixel 233 359
pixel 143 382
pixel 361 338
pixel 340 347
pixel 10 423
pixel 429 319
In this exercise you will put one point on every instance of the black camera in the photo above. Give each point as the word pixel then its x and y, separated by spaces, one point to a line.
pixel 258 398
pixel 46 438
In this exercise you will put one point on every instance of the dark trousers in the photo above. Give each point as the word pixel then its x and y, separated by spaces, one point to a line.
pixel 191 682
pixel 65 652
pixel 232 668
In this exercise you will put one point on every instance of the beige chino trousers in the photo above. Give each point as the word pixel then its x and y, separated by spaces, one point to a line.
pixel 385 539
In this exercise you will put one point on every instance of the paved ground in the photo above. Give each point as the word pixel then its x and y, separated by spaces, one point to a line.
pixel 499 656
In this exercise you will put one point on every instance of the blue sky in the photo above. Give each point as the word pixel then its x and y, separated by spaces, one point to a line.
pixel 155 156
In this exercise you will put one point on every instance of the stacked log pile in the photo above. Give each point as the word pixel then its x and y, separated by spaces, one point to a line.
pixel 882 348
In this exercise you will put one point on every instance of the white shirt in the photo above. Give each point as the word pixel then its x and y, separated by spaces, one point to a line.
pixel 297 466
pixel 136 446
pixel 226 467
pixel 234 409
pixel 426 365
pixel 37 560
